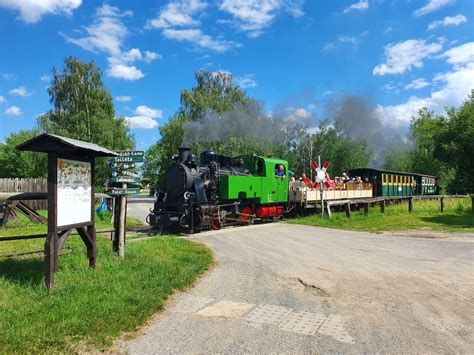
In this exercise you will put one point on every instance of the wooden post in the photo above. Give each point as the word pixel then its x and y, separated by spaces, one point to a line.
pixel 382 206
pixel 329 209
pixel 441 200
pixel 348 209
pixel 50 255
pixel 122 212
pixel 410 204
pixel 321 194
pixel 92 249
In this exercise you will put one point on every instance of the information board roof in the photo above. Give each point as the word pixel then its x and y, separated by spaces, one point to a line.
pixel 48 142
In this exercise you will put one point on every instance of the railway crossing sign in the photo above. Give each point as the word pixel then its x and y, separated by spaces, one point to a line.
pixel 321 174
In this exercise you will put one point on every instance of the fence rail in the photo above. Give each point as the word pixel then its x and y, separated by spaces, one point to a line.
pixel 27 185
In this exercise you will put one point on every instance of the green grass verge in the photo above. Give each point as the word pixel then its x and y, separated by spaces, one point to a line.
pixel 457 217
pixel 87 306
pixel 23 226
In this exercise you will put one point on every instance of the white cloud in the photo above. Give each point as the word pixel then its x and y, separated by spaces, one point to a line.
pixel 143 110
pixel 178 13
pixel 460 55
pixel 32 11
pixel 456 86
pixel 362 5
pixel 2 100
pixel 45 78
pixel 252 16
pixel 13 111
pixel 419 83
pixel 20 91
pixel 354 41
pixel 403 56
pixel 151 56
pixel 9 76
pixel 123 98
pixel 298 115
pixel 246 81
pixel 199 39
pixel 431 6
pixel 448 21
pixel 144 118
pixel 121 71
pixel 140 122
pixel 105 34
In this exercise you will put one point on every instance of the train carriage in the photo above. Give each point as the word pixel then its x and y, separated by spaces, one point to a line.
pixel 398 183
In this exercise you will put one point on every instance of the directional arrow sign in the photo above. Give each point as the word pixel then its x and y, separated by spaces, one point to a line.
pixel 126 173
pixel 130 153
pixel 131 159
pixel 126 179
pixel 122 192
pixel 133 185
pixel 122 166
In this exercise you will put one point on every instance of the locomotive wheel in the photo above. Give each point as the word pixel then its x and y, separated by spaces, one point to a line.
pixel 246 211
pixel 216 224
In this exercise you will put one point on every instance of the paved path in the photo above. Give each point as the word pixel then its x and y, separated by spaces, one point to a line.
pixel 289 288
pixel 139 206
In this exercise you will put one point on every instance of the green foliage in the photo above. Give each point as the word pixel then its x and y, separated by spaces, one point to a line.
pixel 454 146
pixel 89 308
pixel 83 109
pixel 215 92
pixel 397 160
pixel 17 164
pixel 443 146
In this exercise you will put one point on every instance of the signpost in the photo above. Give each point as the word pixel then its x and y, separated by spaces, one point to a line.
pixel 71 195
pixel 321 178
pixel 124 181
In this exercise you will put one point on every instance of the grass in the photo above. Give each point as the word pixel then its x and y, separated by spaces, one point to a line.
pixel 23 226
pixel 92 307
pixel 457 217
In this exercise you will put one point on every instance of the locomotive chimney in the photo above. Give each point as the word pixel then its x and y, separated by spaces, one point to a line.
pixel 183 154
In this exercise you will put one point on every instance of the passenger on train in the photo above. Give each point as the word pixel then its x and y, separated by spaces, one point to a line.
pixel 345 178
pixel 305 180
pixel 280 171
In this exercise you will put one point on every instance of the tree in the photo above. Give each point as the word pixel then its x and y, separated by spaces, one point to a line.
pixel 454 146
pixel 18 164
pixel 215 92
pixel 398 160
pixel 83 109
pixel 343 152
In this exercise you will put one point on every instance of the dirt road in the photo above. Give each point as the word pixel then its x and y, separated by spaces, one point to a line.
pixel 290 288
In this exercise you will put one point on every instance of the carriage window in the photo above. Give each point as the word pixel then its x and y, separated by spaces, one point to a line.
pixel 259 166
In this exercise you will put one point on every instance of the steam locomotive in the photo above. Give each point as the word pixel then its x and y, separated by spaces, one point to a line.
pixel 219 191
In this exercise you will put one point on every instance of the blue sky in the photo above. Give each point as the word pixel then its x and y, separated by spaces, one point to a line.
pixel 293 56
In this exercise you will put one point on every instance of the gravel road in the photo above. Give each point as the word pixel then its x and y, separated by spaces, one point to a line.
pixel 139 206
pixel 290 288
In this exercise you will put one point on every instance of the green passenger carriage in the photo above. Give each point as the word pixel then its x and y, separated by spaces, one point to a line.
pixel 397 183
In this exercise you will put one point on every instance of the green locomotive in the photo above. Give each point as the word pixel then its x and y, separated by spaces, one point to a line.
pixel 220 191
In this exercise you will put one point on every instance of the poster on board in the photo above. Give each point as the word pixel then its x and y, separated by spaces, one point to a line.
pixel 74 192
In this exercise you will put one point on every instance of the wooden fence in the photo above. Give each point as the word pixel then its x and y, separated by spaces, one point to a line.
pixel 27 185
